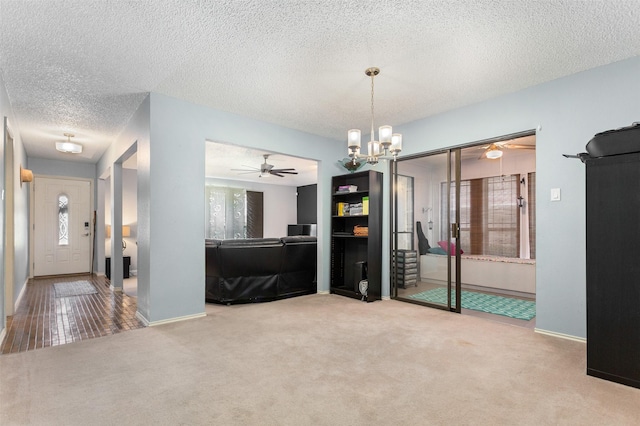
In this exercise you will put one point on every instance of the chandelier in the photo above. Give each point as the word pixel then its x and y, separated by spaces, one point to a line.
pixel 387 147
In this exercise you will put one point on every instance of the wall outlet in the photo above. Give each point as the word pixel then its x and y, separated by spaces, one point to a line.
pixel 555 194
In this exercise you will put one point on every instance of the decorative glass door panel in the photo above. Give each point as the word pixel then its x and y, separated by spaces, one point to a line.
pixel 433 251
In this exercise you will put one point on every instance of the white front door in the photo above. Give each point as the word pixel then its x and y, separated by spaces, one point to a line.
pixel 62 226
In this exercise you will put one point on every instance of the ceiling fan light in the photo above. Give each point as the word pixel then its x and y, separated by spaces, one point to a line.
pixel 494 154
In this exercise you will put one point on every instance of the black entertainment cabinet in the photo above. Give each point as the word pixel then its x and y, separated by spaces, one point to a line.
pixel 613 268
pixel 126 264
pixel 355 257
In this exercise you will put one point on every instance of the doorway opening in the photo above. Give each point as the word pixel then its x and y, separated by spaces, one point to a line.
pixel 464 229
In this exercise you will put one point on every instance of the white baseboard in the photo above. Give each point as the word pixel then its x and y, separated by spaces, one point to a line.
pixel 115 289
pixel 561 335
pixel 148 323
pixel 322 292
pixel 133 272
pixel 2 334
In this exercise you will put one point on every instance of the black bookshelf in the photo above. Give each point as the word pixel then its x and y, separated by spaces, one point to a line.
pixel 613 317
pixel 352 253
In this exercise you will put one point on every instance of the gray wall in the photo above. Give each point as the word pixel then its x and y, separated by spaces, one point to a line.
pixel 4 111
pixel 20 249
pixel 567 112
pixel 47 167
pixel 129 217
pixel 170 136
pixel 134 136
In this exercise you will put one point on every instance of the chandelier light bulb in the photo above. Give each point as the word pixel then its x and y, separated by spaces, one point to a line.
pixel 396 143
pixel 353 137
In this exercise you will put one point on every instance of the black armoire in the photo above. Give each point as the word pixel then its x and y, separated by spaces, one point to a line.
pixel 613 268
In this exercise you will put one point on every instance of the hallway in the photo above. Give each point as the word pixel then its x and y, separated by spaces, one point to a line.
pixel 44 319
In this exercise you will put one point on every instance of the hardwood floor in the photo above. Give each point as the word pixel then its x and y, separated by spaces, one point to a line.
pixel 44 319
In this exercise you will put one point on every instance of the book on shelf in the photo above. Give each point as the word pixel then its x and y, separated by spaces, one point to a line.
pixel 365 205
pixel 347 188
pixel 343 209
pixel 355 209
pixel 350 209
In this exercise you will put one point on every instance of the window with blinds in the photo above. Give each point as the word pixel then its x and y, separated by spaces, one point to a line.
pixel 489 216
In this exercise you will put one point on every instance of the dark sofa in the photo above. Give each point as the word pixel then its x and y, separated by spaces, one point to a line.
pixel 260 269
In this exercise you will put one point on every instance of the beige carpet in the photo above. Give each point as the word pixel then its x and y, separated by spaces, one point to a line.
pixel 314 360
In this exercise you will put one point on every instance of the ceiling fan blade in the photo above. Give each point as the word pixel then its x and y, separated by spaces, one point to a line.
pixel 276 174
pixel 285 172
pixel 244 170
pixel 516 146
pixel 289 169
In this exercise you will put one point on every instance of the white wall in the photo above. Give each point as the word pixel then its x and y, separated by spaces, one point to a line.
pixel 568 112
pixel 280 207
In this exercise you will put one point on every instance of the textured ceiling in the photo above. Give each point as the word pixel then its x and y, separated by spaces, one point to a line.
pixel 225 161
pixel 84 66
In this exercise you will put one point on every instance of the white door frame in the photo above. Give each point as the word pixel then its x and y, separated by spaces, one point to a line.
pixel 32 201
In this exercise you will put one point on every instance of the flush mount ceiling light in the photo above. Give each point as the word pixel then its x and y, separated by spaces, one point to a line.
pixel 389 145
pixel 68 146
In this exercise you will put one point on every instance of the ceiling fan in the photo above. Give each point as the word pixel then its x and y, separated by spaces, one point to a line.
pixel 495 150
pixel 266 169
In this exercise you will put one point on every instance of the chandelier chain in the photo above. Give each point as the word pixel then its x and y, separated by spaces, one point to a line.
pixel 372 116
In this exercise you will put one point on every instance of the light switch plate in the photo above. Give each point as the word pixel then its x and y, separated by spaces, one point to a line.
pixel 555 194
